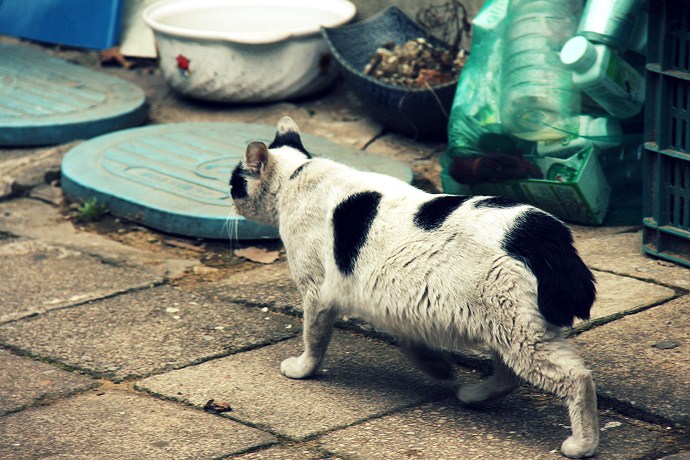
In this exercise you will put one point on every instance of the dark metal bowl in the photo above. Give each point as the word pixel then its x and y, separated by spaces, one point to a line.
pixel 417 112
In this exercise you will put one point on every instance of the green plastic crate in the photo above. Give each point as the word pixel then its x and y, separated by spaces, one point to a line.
pixel 667 133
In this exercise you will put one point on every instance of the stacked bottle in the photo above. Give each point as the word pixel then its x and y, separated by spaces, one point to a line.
pixel 611 22
pixel 593 56
pixel 538 100
pixel 602 133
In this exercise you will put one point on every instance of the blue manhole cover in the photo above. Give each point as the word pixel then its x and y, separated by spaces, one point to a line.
pixel 175 177
pixel 45 100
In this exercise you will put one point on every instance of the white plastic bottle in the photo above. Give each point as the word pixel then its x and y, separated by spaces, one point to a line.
pixel 605 77
pixel 602 133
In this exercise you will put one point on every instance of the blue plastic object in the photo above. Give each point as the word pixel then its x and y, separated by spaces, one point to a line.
pixel 45 100
pixel 174 177
pixel 83 23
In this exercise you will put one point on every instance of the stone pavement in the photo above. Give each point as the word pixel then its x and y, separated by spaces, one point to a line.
pixel 119 342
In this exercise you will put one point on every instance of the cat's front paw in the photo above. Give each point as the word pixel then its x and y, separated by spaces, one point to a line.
pixel 578 448
pixel 298 367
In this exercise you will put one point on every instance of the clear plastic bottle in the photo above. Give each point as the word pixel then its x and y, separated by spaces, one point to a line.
pixel 602 133
pixel 610 81
pixel 610 21
pixel 538 99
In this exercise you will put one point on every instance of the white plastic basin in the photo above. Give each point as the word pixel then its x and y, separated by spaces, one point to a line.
pixel 246 50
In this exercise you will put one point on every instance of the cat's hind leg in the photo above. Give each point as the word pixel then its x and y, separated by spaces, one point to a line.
pixel 555 367
pixel 318 329
pixel 432 362
pixel 502 382
pixel 536 351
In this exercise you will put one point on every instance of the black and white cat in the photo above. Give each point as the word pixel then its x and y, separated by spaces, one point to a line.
pixel 438 271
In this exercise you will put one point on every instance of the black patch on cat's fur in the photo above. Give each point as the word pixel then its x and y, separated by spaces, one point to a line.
pixel 352 220
pixel 496 202
pixel 297 171
pixel 566 287
pixel 290 139
pixel 432 214
pixel 238 183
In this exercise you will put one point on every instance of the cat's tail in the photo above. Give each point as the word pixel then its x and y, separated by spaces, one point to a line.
pixel 566 287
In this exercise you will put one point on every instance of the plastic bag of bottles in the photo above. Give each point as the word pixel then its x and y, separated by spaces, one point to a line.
pixel 538 100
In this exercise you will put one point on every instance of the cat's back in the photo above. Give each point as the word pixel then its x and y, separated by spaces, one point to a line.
pixel 369 220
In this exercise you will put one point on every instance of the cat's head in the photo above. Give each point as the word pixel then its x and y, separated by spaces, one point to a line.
pixel 257 178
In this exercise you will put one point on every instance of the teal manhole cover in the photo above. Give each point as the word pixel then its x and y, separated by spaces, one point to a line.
pixel 175 177
pixel 45 100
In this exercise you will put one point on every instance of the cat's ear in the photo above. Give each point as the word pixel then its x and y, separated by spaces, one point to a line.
pixel 287 134
pixel 256 157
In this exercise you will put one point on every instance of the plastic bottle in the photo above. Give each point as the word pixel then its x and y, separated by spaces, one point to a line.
pixel 610 81
pixel 602 133
pixel 538 100
pixel 638 40
pixel 610 21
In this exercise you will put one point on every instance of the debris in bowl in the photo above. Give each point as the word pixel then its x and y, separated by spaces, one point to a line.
pixel 415 64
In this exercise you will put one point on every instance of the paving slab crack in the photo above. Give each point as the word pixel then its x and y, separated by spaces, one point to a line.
pixel 196 362
pixel 626 409
pixel 141 287
pixel 378 136
pixel 594 323
pixel 678 289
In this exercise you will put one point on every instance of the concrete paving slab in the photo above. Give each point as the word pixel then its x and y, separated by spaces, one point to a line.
pixel 526 425
pixel 25 382
pixel 340 128
pixel 685 455
pixel 361 378
pixel 38 277
pixel 39 220
pixel 642 360
pixel 621 253
pixel 146 331
pixel 270 285
pixel 51 194
pixel 617 295
pixel 285 453
pixel 120 425
pixel 22 169
pixel 422 157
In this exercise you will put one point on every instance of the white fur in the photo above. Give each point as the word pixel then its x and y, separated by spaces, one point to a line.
pixel 437 290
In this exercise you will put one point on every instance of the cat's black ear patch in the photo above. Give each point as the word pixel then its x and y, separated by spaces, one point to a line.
pixel 496 202
pixel 238 183
pixel 565 286
pixel 287 134
pixel 432 214
pixel 352 220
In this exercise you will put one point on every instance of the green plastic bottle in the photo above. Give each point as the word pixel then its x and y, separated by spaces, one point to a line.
pixel 608 79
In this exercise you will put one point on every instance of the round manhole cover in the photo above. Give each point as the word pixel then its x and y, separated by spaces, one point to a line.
pixel 45 100
pixel 174 177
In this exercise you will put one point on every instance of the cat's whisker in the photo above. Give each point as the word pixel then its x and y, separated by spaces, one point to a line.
pixel 230 228
pixel 236 227
pixel 226 227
